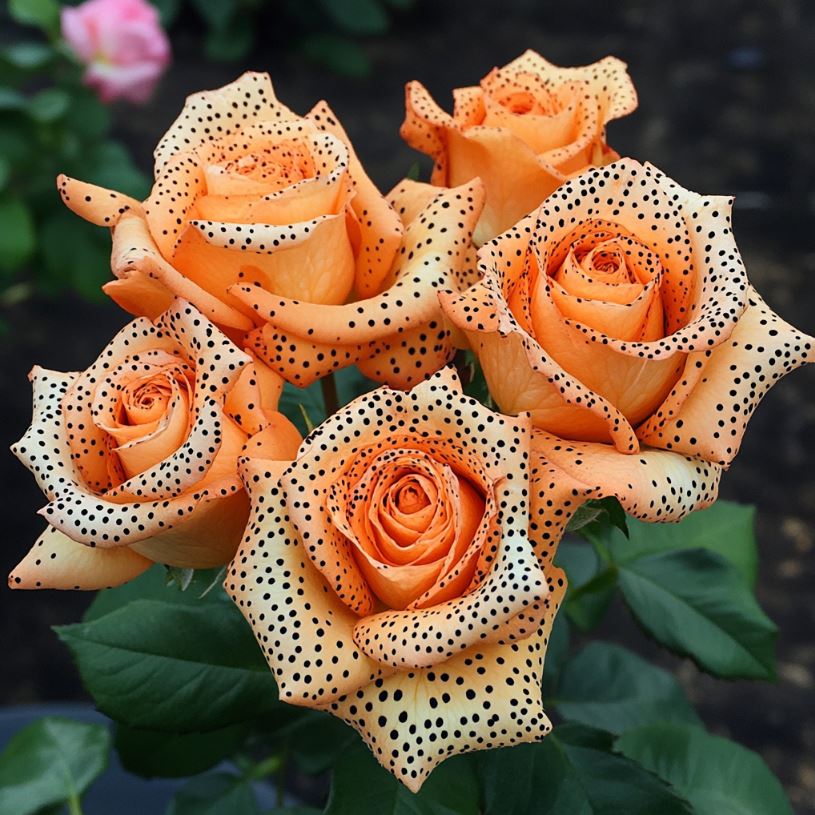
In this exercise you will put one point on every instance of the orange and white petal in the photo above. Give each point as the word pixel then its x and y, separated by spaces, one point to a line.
pixel 279 440
pixel 708 413
pixel 286 601
pixel 210 115
pixel 484 698
pixel 139 294
pixel 134 251
pixel 652 485
pixel 98 205
pixel 410 197
pixel 380 228
pixel 57 562
pixel 425 129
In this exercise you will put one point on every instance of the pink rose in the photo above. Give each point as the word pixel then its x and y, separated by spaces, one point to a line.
pixel 122 44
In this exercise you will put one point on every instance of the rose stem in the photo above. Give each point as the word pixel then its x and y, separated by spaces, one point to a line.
pixel 329 386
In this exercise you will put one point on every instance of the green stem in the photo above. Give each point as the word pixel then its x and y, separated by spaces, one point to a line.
pixel 74 805
pixel 329 386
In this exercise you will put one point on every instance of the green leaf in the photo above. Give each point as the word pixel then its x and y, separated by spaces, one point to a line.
pixel 591 584
pixel 49 105
pixel 357 16
pixel 607 686
pixel 41 13
pixel 17 241
pixel 216 15
pixel 293 401
pixel 233 40
pixel 717 776
pixel 167 10
pixel 163 665
pixel 154 754
pixel 360 786
pixel 51 761
pixel 315 740
pixel 87 117
pixel 414 171
pixel 5 172
pixel 696 603
pixel 216 794
pixel 725 528
pixel 338 54
pixel 27 56
pixel 573 771
pixel 110 165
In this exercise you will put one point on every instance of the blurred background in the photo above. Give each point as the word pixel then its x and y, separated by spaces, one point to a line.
pixel 727 105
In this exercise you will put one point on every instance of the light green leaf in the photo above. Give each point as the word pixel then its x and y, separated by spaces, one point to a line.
pixel 174 667
pixel 49 105
pixel 573 771
pixel 608 686
pixel 717 776
pixel 51 761
pixel 27 55
pixel 360 786
pixel 696 603
pixel 17 241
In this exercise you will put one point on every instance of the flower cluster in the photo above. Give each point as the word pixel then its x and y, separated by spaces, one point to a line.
pixel 396 566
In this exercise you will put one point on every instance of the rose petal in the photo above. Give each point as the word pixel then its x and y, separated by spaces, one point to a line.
pixel 139 294
pixel 57 562
pixel 484 698
pixel 286 601
pixel 221 112
pixel 98 205
pixel 708 411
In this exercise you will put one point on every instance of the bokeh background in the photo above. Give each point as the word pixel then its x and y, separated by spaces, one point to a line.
pixel 727 105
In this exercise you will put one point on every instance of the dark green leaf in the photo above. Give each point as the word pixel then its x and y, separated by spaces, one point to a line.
pixel 153 754
pixel 167 10
pixel 216 794
pixel 695 603
pixel 16 232
pixel 574 772
pixel 360 786
pixel 316 741
pixel 591 584
pixel 87 117
pixel 232 41
pixel 41 13
pixel 163 665
pixel 351 383
pixel 725 528
pixel 338 54
pixel 357 16
pixel 5 172
pixel 110 165
pixel 51 761
pixel 294 401
pixel 607 686
pixel 717 776
pixel 216 15
pixel 413 171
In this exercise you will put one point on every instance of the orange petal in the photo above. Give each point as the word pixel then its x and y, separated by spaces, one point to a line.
pixel 140 294
pixel 653 485
pixel 98 205
pixel 289 624
pixel 708 412
pixel 221 112
pixel 413 720
pixel 57 562
pixel 380 228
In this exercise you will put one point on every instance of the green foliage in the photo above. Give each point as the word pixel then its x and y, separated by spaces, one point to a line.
pixel 216 794
pixel 717 776
pixel 607 686
pixel 360 786
pixel 171 664
pixel 50 762
pixel 574 771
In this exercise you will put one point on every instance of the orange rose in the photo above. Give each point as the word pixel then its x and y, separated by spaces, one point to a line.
pixel 407 597
pixel 245 190
pixel 397 336
pixel 138 454
pixel 620 316
pixel 524 130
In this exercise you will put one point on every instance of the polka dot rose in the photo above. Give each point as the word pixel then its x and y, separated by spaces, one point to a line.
pixel 138 454
pixel 398 573
pixel 397 336
pixel 523 130
pixel 620 316
pixel 245 190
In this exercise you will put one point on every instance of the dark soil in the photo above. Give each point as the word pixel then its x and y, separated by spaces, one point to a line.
pixel 727 105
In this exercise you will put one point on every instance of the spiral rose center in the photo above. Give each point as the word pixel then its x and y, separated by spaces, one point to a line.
pixel 281 164
pixel 144 406
pixel 413 523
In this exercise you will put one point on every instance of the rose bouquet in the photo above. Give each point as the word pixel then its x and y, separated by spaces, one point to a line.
pixel 370 458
